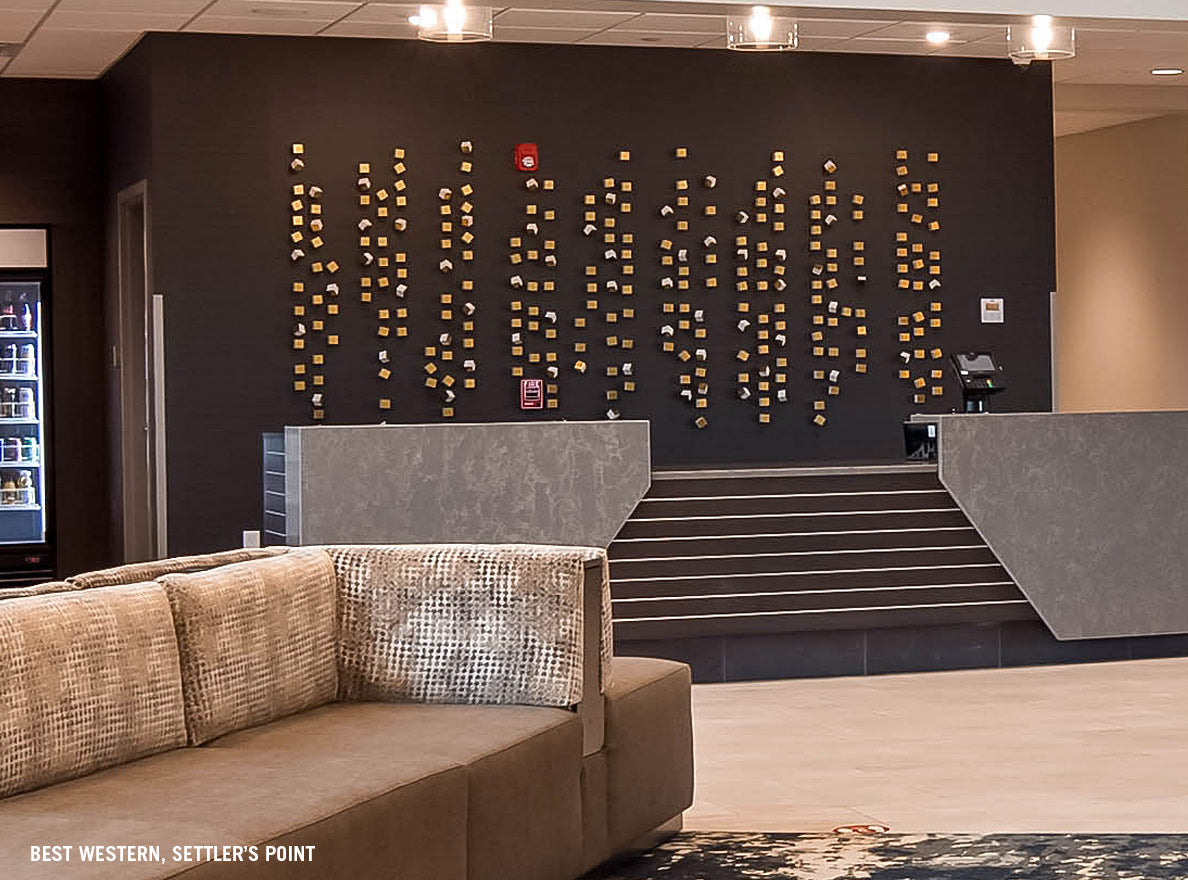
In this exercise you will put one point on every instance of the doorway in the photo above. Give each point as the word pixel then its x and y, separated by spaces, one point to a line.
pixel 138 359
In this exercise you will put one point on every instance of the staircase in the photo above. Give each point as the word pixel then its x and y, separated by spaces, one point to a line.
pixel 724 553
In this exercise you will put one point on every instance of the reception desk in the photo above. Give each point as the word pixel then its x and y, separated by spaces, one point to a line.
pixel 1086 511
pixel 518 482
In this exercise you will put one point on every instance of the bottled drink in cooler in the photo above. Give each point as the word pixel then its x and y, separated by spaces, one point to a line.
pixel 28 360
pixel 8 358
pixel 8 402
pixel 24 405
pixel 28 450
pixel 26 317
pixel 25 493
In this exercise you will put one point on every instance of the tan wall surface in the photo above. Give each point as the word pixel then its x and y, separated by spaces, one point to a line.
pixel 1122 267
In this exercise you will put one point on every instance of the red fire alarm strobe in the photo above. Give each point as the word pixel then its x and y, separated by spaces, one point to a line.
pixel 527 158
pixel 531 394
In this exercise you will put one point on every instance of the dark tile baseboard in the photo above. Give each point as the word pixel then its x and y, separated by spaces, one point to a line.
pixel 893 649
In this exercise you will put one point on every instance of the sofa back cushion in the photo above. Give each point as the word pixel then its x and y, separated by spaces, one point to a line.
pixel 256 640
pixel 87 680
pixel 138 572
pixel 460 623
pixel 42 589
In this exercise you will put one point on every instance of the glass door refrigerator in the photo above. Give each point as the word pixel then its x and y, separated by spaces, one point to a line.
pixel 26 546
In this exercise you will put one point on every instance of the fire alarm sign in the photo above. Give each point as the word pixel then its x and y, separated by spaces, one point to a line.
pixel 527 158
pixel 531 394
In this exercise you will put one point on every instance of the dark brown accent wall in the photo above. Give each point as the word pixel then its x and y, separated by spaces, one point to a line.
pixel 224 111
pixel 51 173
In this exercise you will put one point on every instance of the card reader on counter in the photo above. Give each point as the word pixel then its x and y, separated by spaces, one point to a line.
pixel 980 376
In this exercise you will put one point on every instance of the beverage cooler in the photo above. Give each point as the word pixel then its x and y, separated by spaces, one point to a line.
pixel 26 539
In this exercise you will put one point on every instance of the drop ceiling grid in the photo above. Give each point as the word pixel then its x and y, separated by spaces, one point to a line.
pixel 81 38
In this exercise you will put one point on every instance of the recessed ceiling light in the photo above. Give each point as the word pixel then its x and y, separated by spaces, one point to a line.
pixel 937 38
pixel 649 39
pixel 761 32
pixel 1167 71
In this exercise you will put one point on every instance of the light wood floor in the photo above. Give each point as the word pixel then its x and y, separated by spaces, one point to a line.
pixel 1091 748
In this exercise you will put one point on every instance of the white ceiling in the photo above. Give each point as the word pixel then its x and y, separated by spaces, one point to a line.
pixel 82 38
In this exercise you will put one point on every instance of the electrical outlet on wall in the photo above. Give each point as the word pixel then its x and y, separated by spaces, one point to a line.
pixel 251 537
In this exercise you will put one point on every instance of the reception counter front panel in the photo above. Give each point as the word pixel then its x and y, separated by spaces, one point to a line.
pixel 1085 511
pixel 542 483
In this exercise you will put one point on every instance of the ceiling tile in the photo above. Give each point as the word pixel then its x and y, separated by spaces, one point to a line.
pixel 26 5
pixel 645 38
pixel 70 53
pixel 282 10
pixel 1090 42
pixel 883 46
pixel 965 33
pixel 230 24
pixel 835 28
pixel 1132 75
pixel 174 7
pixel 383 13
pixel 16 25
pixel 808 43
pixel 351 28
pixel 115 21
pixel 561 18
pixel 1067 122
pixel 972 50
pixel 541 35
pixel 657 22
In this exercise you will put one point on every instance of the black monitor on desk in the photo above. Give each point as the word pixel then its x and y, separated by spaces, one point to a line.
pixel 980 376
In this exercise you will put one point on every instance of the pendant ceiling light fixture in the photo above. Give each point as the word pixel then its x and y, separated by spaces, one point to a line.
pixel 453 22
pixel 760 32
pixel 1043 40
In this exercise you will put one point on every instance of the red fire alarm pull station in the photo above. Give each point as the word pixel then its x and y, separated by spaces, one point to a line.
pixel 531 394
pixel 527 158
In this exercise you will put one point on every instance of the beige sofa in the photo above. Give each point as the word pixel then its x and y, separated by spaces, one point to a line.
pixel 399 712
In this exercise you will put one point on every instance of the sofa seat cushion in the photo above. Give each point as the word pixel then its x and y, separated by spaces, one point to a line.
pixel 256 640
pixel 87 680
pixel 370 807
pixel 649 746
pixel 523 768
pixel 138 572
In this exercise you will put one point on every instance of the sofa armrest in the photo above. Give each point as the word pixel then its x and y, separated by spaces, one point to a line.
pixel 596 653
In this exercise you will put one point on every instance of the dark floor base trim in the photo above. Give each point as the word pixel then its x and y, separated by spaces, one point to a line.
pixel 893 649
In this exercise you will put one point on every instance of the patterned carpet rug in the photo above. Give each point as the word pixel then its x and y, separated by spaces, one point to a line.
pixel 732 856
